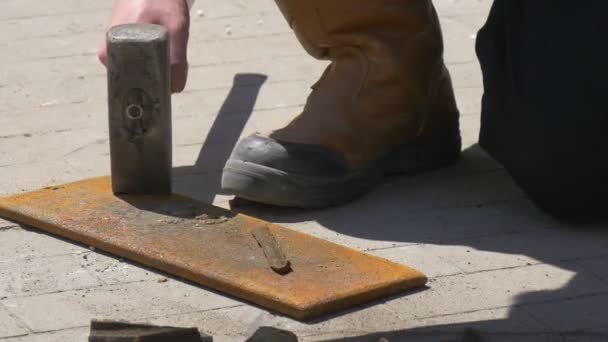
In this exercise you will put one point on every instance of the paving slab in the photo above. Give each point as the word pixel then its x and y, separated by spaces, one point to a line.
pixel 69 335
pixel 469 106
pixel 521 249
pixel 113 271
pixel 420 257
pixel 584 314
pixel 496 289
pixel 20 243
pixel 465 76
pixel 241 322
pixel 497 324
pixel 398 226
pixel 198 103
pixel 34 276
pixel 577 336
pixel 9 327
pixel 70 309
pixel 494 323
pixel 468 226
pixel 598 266
pixel 458 337
pixel 13 9
pixel 82 334
pixel 5 225
pixel 233 9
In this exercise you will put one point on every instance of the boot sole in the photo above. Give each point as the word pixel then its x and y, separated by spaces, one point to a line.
pixel 267 185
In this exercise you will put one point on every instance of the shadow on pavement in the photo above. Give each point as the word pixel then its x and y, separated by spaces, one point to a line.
pixel 202 180
pixel 475 204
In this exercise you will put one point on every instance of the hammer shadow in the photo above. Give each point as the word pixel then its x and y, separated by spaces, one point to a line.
pixel 202 180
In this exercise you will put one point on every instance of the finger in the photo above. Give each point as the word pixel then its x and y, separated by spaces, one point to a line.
pixel 179 77
pixel 102 54
pixel 178 39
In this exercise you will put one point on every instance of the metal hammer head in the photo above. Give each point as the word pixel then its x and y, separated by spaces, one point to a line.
pixel 139 108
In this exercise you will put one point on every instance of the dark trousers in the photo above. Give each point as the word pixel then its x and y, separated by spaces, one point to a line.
pixel 545 103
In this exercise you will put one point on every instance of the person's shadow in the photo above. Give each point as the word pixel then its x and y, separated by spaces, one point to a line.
pixel 473 203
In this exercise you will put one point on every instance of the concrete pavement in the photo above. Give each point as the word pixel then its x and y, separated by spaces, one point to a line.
pixel 495 262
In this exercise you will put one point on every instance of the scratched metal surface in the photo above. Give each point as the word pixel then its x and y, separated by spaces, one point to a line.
pixel 212 247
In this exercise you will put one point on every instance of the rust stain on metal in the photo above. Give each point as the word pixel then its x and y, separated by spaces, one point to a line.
pixel 328 277
pixel 273 252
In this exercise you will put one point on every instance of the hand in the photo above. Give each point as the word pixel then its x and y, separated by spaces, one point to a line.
pixel 173 15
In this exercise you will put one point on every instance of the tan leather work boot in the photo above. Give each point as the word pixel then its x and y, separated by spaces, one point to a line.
pixel 384 105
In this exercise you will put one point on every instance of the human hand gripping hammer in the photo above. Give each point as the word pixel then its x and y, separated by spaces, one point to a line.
pixel 139 108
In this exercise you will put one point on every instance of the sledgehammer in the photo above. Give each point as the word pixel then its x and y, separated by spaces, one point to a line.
pixel 139 108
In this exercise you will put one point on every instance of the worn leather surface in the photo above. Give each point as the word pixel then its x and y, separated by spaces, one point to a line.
pixel 387 83
pixel 310 160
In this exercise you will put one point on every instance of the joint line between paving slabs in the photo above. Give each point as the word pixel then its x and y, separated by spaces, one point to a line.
pixel 488 270
pixel 523 306
pixel 18 320
pixel 518 306
pixel 46 332
pixel 248 61
pixel 270 82
pixel 137 319
pixel 95 287
pixel 194 312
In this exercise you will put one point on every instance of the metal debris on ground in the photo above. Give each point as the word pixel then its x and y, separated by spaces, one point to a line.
pixel 272 251
pixel 269 334
pixel 114 331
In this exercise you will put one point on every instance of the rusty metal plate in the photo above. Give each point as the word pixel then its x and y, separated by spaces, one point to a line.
pixel 212 247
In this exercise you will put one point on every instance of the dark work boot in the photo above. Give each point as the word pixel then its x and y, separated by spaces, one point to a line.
pixel 384 105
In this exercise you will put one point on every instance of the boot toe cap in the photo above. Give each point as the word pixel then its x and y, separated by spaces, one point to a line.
pixel 293 158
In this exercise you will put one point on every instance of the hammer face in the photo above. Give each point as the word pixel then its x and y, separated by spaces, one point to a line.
pixel 139 107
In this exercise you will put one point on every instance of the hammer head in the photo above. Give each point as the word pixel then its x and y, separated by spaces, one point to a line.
pixel 139 108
